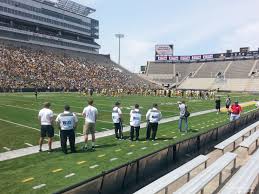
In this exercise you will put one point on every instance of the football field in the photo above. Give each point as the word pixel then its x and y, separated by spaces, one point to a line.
pixel 46 173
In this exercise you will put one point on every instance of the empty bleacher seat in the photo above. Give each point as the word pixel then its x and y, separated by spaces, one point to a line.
pixel 234 138
pixel 199 182
pixel 163 182
pixel 242 181
pixel 250 140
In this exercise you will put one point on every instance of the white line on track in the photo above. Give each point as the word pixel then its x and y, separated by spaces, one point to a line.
pixel 39 186
pixel 22 125
pixel 28 144
pixel 69 175
pixel 6 148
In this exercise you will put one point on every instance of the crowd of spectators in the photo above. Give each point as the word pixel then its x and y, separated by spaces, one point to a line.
pixel 22 68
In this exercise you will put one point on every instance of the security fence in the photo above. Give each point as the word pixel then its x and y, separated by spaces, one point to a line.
pixel 135 174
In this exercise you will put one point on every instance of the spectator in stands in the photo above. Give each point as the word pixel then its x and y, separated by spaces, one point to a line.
pixel 117 120
pixel 235 111
pixel 183 117
pixel 135 120
pixel 67 122
pixel 90 114
pixel 46 120
pixel 153 116
pixel 29 68
pixel 217 102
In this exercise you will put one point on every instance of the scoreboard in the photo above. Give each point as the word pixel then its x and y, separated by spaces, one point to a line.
pixel 163 52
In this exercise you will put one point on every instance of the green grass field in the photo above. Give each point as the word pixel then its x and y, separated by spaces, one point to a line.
pixel 19 125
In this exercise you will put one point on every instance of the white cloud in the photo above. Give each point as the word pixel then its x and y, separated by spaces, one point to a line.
pixel 242 36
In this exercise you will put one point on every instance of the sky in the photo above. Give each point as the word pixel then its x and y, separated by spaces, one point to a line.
pixel 192 26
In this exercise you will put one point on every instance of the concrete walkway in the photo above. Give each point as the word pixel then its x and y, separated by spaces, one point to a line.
pixel 35 149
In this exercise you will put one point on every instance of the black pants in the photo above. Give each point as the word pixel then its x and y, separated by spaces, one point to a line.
pixel 70 134
pixel 132 129
pixel 118 130
pixel 152 127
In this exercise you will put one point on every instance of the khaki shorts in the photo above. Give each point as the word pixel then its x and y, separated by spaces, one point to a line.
pixel 89 128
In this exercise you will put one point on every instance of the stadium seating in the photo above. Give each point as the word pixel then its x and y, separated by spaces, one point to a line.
pixel 160 68
pixel 242 181
pixel 223 75
pixel 211 69
pixel 198 183
pixel 193 83
pixel 240 69
pixel 250 140
pixel 223 145
pixel 163 182
pixel 28 68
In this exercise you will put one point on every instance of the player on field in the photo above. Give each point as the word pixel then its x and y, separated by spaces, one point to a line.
pixel 46 121
pixel 153 116
pixel 135 120
pixel 67 122
pixel 117 120
pixel 36 94
pixel 90 114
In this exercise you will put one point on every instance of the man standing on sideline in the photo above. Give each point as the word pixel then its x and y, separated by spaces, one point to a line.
pixel 135 120
pixel 117 120
pixel 235 111
pixel 90 114
pixel 153 116
pixel 46 121
pixel 228 103
pixel 67 122
pixel 183 109
pixel 217 102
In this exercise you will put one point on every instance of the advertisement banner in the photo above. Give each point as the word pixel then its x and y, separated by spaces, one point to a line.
pixel 162 58
pixel 196 57
pixel 208 56
pixel 173 58
pixel 185 58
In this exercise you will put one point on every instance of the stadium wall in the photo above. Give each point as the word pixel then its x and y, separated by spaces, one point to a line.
pixel 132 176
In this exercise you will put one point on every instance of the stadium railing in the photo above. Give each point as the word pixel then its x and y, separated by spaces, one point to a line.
pixel 132 176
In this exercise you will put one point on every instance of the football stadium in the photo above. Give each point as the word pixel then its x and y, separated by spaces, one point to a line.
pixel 183 124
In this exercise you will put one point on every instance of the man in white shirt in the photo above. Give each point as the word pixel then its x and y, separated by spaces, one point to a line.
pixel 46 121
pixel 135 120
pixel 90 114
pixel 67 122
pixel 117 120
pixel 183 108
pixel 153 116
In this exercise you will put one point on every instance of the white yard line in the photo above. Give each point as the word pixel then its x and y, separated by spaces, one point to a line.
pixel 6 148
pixel 32 150
pixel 39 186
pixel 25 126
pixel 70 175
pixel 28 144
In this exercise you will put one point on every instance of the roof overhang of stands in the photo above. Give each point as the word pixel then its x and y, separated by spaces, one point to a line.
pixel 74 7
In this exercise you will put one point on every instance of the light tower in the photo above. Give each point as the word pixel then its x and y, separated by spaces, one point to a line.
pixel 119 36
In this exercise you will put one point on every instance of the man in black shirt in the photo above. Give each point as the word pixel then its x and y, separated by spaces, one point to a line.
pixel 217 101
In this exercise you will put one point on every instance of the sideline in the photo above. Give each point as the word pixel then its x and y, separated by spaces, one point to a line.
pixel 32 150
